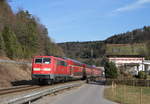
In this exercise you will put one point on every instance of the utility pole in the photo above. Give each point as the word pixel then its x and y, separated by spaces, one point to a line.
pixel 91 58
pixel 132 38
pixel 91 53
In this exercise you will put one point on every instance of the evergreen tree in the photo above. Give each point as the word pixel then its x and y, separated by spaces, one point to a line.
pixel 2 45
pixel 111 70
pixel 12 46
pixel 22 35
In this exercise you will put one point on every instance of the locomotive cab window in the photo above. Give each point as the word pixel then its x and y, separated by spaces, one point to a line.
pixel 42 60
pixel 46 60
pixel 38 60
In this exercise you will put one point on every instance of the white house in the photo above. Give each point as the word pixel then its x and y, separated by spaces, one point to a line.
pixel 135 62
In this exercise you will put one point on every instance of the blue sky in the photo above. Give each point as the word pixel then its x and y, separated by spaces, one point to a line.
pixel 87 20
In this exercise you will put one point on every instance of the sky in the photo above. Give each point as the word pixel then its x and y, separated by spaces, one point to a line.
pixel 87 20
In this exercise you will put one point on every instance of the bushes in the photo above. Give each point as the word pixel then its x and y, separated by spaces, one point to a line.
pixel 12 46
pixel 2 45
pixel 142 75
pixel 111 70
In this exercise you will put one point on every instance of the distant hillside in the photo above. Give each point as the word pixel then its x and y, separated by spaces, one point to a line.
pixel 87 52
pixel 135 36
pixel 95 50
pixel 22 35
pixel 125 49
pixel 83 49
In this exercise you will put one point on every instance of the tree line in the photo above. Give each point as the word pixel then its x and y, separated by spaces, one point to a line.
pixel 92 51
pixel 23 36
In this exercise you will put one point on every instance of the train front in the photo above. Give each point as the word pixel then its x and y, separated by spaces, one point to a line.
pixel 42 69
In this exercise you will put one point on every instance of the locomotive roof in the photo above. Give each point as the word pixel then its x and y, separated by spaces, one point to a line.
pixel 73 60
pixel 50 57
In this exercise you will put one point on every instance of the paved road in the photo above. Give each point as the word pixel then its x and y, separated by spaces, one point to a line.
pixel 87 94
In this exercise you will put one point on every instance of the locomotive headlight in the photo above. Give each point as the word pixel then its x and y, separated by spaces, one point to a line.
pixel 47 69
pixel 36 69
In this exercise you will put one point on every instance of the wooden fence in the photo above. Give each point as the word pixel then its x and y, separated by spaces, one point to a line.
pixel 136 82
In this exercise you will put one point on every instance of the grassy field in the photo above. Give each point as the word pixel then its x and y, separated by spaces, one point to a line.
pixel 125 49
pixel 128 94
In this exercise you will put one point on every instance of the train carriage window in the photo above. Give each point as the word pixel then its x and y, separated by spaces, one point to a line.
pixel 46 60
pixel 38 60
pixel 62 63
pixel 58 62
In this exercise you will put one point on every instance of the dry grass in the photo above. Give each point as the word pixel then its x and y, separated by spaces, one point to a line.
pixel 13 72
pixel 128 94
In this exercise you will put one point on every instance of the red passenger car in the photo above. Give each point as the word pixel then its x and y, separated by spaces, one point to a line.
pixel 76 68
pixel 96 72
pixel 92 73
pixel 88 71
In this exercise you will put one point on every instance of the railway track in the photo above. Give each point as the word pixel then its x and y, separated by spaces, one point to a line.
pixel 29 92
pixel 27 88
pixel 33 96
pixel 16 89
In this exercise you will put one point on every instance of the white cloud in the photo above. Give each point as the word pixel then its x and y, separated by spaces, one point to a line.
pixel 135 5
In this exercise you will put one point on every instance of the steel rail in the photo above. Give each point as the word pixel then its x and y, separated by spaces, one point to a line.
pixel 16 89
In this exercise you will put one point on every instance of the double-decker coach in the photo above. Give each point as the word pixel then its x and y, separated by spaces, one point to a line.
pixel 96 72
pixel 76 68
pixel 92 73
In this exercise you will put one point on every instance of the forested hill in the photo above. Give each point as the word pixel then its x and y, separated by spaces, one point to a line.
pixel 135 36
pixel 22 35
pixel 93 50
pixel 83 49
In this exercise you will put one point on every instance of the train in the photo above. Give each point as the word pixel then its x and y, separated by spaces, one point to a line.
pixel 51 69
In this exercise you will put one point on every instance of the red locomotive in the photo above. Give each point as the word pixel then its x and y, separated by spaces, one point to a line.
pixel 51 69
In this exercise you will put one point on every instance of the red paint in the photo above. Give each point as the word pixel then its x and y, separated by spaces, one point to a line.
pixel 61 66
